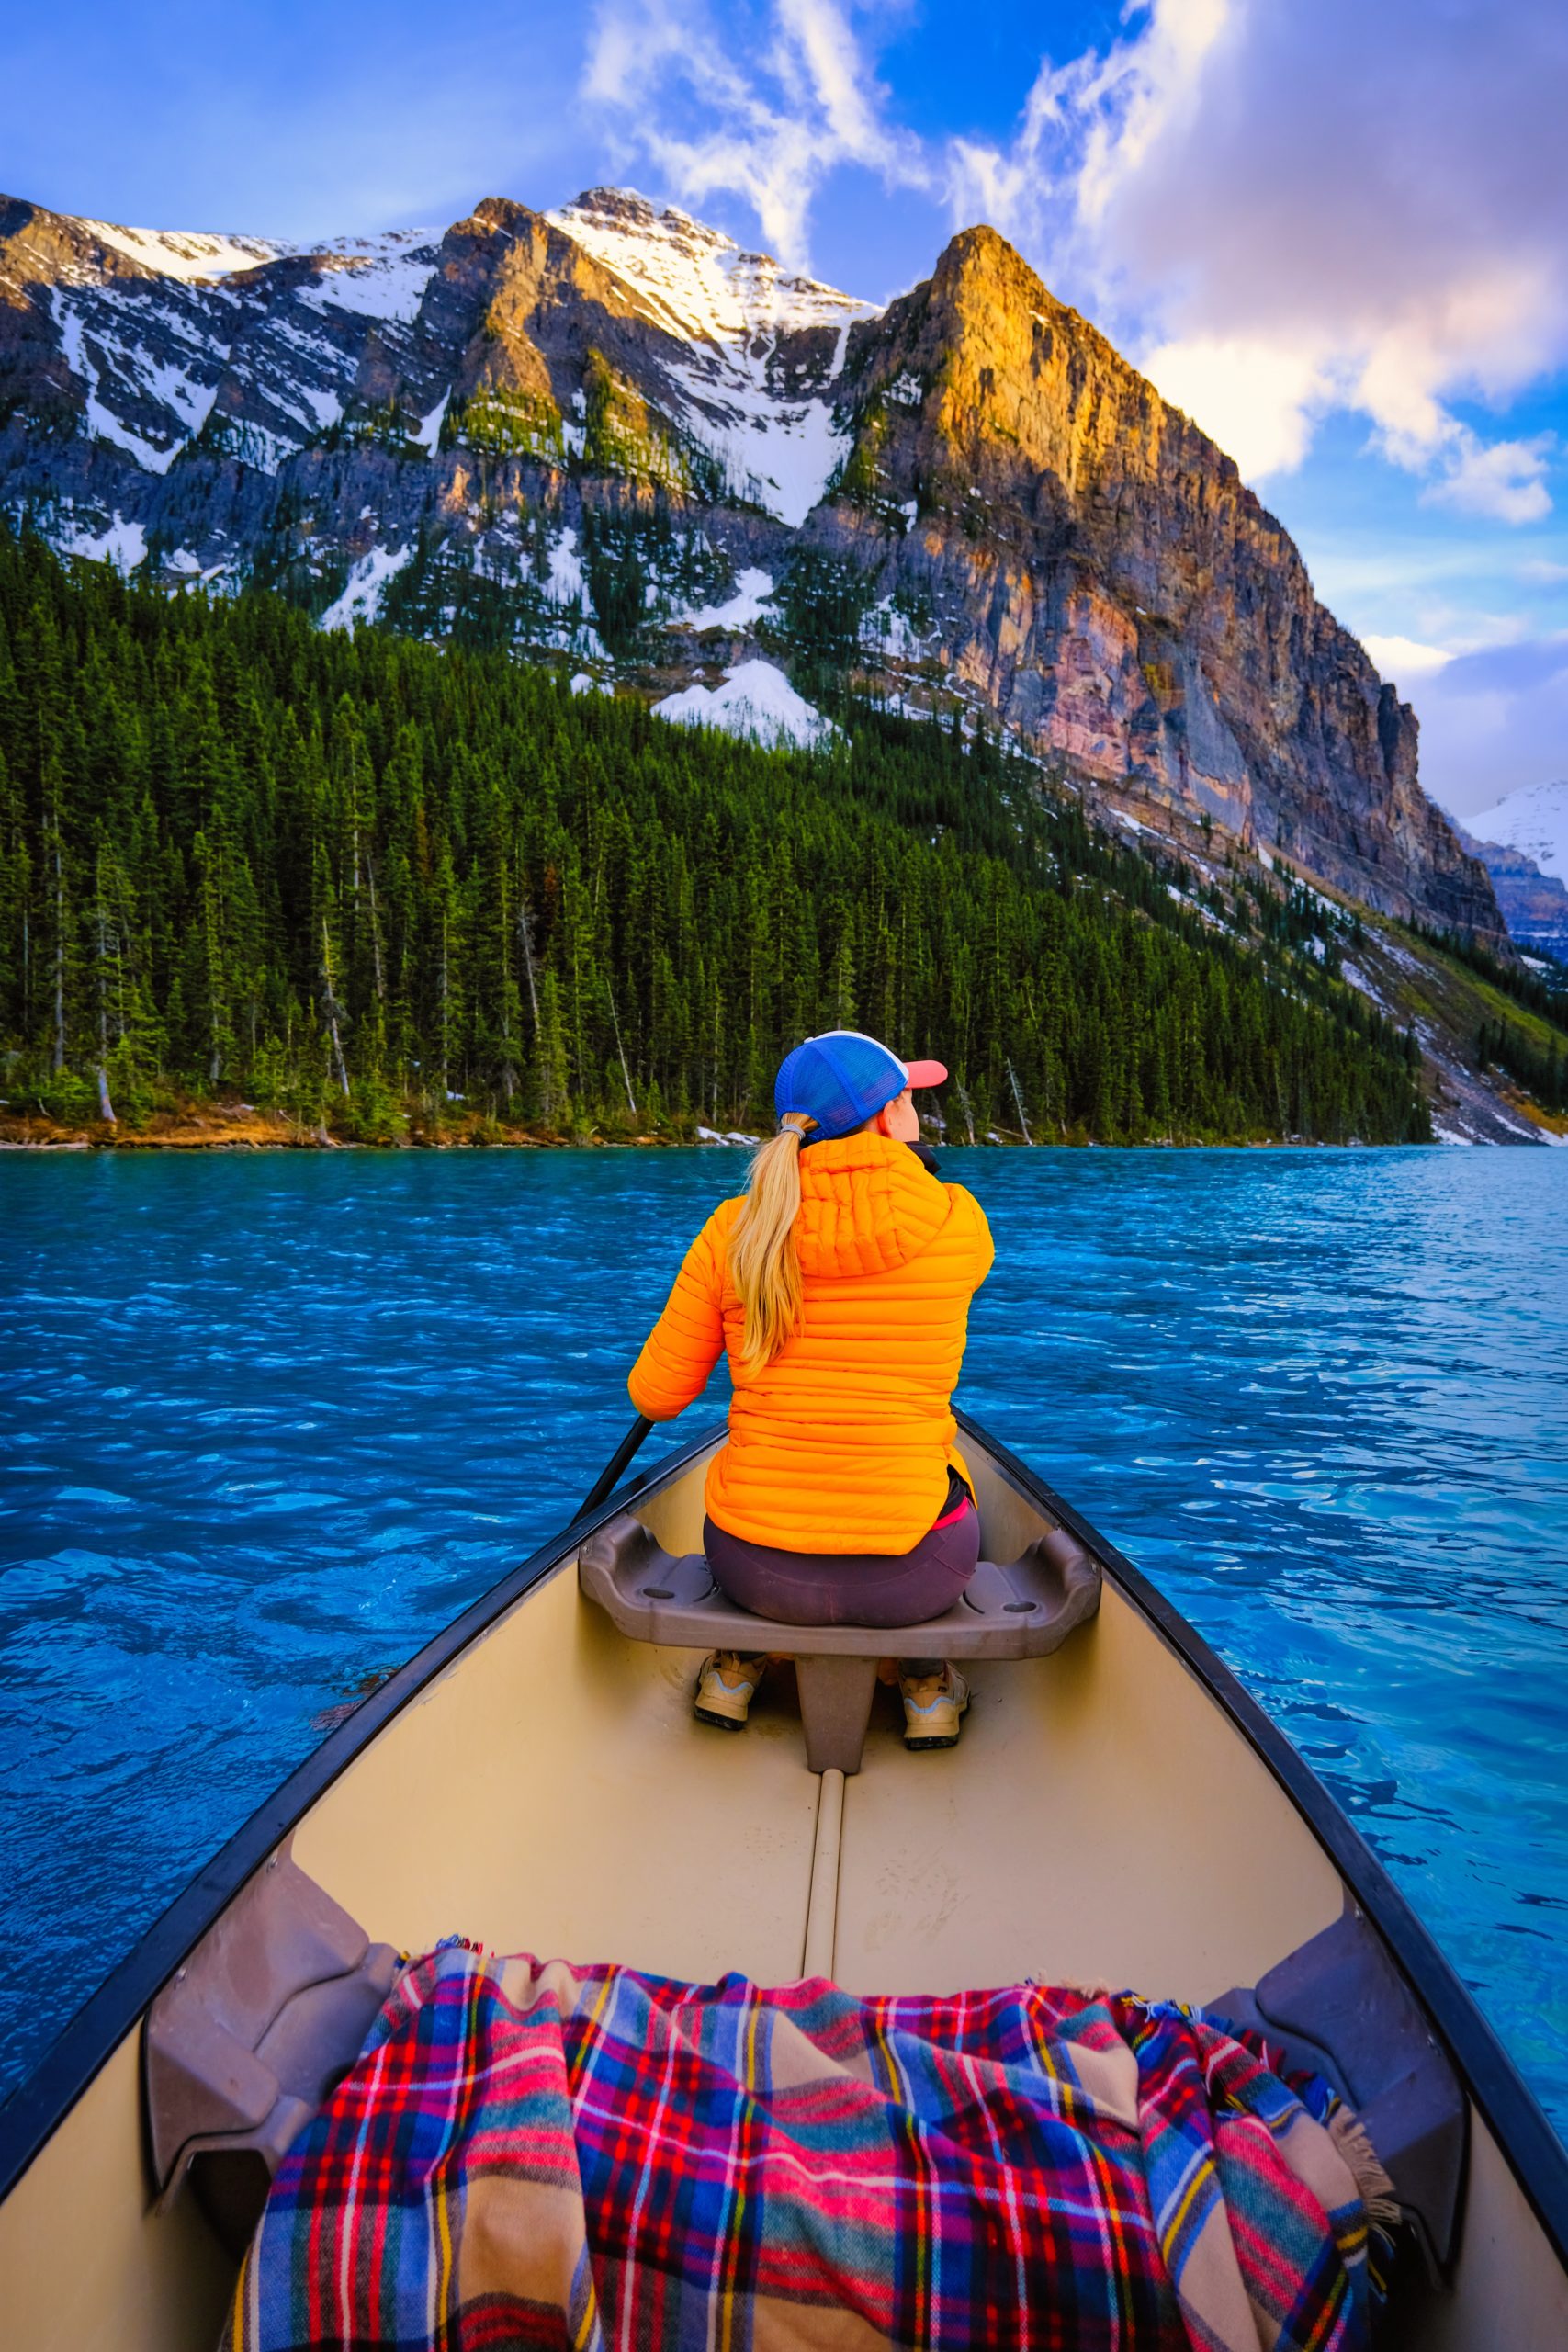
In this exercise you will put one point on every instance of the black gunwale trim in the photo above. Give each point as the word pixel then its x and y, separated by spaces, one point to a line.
pixel 1528 2143
pixel 33 2114
pixel 1529 2146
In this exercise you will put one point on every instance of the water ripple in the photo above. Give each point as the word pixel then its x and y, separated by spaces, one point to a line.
pixel 267 1424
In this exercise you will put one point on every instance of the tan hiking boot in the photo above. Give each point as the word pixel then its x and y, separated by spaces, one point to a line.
pixel 726 1688
pixel 934 1706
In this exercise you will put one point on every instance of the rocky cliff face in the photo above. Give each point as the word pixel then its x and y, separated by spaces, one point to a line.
pixel 1099 575
pixel 608 437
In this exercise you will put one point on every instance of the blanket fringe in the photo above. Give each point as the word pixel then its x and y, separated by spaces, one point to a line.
pixel 1354 2141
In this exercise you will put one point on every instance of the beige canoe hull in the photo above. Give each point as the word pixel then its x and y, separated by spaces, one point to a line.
pixel 1104 1820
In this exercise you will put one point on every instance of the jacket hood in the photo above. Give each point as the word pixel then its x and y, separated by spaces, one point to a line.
pixel 866 1205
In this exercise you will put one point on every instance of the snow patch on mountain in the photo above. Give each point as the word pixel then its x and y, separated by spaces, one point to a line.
pixel 256 444
pixel 564 582
pixel 890 632
pixel 756 700
pixel 388 282
pixel 187 253
pixel 1350 971
pixel 778 449
pixel 115 358
pixel 1534 819
pixel 427 433
pixel 123 544
pixel 781 458
pixel 740 609
pixel 361 598
pixel 151 363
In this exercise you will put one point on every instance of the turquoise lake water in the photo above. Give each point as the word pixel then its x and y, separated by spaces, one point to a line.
pixel 269 1422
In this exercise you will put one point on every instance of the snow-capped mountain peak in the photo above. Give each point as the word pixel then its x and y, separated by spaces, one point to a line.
pixel 1533 820
pixel 201 256
pixel 770 424
pixel 612 439
pixel 694 281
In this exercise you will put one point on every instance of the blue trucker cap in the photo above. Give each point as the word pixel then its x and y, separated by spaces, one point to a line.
pixel 843 1077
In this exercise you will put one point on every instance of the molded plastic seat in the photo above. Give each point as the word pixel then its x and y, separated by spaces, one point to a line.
pixel 247 2037
pixel 1021 1611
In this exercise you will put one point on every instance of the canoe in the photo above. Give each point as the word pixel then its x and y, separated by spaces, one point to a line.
pixel 1119 1811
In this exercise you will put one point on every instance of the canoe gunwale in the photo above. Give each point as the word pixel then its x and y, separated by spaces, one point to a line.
pixel 1528 2143
pixel 35 2111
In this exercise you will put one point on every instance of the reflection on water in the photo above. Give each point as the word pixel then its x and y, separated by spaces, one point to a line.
pixel 267 1423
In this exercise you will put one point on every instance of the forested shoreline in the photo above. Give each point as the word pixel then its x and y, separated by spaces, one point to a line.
pixel 387 889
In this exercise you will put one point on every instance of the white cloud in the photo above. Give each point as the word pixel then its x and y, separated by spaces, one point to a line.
pixel 1403 658
pixel 771 132
pixel 1503 479
pixel 1284 212
pixel 1255 398
pixel 1493 720
pixel 1295 210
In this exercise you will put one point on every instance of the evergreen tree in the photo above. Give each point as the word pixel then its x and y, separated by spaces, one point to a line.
pixel 358 876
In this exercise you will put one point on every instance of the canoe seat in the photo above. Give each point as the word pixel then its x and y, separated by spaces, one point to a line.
pixel 1021 1610
pixel 249 2035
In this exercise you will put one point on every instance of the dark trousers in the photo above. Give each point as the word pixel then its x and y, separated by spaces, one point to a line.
pixel 852 1587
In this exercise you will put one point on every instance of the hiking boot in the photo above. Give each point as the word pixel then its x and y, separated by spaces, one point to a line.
pixel 726 1688
pixel 934 1706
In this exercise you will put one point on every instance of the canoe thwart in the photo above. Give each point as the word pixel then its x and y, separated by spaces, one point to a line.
pixel 1023 1610
pixel 246 2039
pixel 1338 2006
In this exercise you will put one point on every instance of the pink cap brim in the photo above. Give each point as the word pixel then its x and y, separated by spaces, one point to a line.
pixel 926 1073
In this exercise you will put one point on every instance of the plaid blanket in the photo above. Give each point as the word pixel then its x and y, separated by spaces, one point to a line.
pixel 530 2153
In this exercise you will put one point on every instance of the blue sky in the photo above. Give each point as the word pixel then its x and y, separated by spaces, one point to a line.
pixel 1337 234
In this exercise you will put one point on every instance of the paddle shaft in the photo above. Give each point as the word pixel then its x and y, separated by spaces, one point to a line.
pixel 605 1482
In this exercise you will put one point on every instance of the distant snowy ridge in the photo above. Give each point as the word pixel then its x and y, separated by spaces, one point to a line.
pixel 1522 842
pixel 189 254
pixel 151 364
pixel 1533 820
pixel 194 256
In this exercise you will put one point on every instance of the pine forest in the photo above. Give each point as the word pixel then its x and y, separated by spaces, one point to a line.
pixel 393 890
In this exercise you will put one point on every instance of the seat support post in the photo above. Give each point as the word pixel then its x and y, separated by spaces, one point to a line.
pixel 835 1708
pixel 1023 1610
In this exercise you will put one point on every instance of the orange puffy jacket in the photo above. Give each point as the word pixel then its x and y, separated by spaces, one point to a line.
pixel 842 1443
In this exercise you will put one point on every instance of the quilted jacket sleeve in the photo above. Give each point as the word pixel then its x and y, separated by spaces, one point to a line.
pixel 984 1247
pixel 688 1339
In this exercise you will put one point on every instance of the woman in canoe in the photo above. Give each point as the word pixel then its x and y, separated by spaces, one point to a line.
pixel 838 1286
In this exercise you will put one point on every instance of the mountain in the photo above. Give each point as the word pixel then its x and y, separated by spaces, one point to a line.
pixel 263 883
pixel 1522 841
pixel 1534 819
pixel 1534 903
pixel 608 438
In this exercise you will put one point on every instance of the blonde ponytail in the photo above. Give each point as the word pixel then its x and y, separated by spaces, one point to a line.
pixel 762 1261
